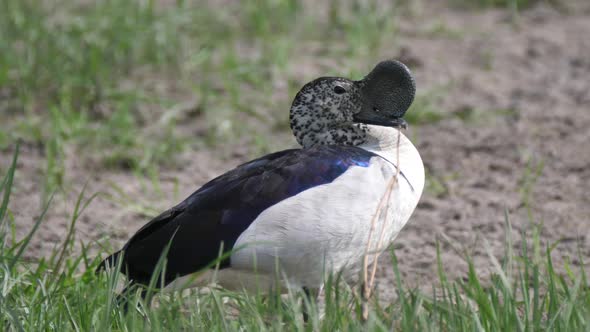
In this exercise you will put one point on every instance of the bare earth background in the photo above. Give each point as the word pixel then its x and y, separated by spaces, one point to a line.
pixel 512 97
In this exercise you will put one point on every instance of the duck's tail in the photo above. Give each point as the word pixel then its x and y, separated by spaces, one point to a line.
pixel 111 261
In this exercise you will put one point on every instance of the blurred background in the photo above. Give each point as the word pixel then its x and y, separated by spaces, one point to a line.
pixel 141 102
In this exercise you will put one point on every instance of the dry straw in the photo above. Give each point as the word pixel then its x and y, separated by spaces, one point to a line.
pixel 369 279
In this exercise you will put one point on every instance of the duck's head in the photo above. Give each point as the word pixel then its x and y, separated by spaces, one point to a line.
pixel 336 110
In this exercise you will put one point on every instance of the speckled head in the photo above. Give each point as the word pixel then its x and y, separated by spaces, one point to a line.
pixel 337 111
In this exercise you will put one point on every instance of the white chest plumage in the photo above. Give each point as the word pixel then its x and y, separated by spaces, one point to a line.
pixel 326 228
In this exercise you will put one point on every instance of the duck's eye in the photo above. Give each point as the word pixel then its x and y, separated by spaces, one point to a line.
pixel 339 90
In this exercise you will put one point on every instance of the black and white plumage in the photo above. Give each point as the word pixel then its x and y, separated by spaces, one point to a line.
pixel 305 212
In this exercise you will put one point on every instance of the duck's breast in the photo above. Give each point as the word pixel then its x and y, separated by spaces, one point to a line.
pixel 326 228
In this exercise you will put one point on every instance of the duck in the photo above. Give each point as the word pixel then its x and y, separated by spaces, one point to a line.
pixel 306 212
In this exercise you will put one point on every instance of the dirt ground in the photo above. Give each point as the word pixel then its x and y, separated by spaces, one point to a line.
pixel 516 101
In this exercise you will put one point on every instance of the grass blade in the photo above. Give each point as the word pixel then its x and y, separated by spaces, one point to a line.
pixel 23 244
pixel 6 187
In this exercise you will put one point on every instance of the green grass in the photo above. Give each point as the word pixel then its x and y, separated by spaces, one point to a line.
pixel 526 292
pixel 128 85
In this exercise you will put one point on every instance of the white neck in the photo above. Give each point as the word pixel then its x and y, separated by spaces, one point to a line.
pixel 393 145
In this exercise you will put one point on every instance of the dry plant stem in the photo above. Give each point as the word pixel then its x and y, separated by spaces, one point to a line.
pixel 391 185
pixel 368 282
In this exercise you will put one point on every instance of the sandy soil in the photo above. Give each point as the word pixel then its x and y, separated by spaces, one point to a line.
pixel 516 98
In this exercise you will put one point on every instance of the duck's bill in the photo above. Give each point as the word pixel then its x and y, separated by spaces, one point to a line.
pixel 374 118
